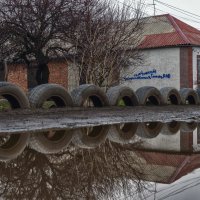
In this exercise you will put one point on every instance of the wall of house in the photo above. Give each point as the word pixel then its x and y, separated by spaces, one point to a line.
pixel 195 53
pixel 161 68
pixel 58 73
pixel 164 142
pixel 18 74
pixel 179 142
pixel 186 71
pixel 73 76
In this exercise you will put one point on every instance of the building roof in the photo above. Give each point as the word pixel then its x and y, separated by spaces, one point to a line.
pixel 166 30
pixel 166 167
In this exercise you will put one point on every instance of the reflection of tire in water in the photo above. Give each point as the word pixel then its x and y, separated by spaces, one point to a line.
pixel 149 129
pixel 122 96
pixel 89 95
pixel 149 96
pixel 188 126
pixel 90 137
pixel 171 128
pixel 49 96
pixel 170 95
pixel 12 97
pixel 189 96
pixel 122 133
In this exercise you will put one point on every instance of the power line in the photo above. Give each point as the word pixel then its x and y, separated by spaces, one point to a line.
pixel 148 15
pixel 180 10
pixel 191 20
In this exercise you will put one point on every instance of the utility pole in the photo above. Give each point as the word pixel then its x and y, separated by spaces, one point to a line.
pixel 154 8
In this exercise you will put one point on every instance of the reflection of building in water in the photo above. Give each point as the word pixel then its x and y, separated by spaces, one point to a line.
pixel 165 167
pixel 182 141
pixel 169 156
pixel 196 139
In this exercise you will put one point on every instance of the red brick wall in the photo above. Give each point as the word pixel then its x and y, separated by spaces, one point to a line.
pixel 17 74
pixel 58 73
pixel 186 73
pixel 186 141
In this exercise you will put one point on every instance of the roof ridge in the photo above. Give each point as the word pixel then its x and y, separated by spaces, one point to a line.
pixel 178 29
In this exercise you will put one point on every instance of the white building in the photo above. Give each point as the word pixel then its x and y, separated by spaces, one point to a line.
pixel 171 52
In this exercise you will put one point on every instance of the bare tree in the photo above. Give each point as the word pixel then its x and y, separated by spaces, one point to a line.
pixel 98 36
pixel 105 40
pixel 33 27
pixel 73 174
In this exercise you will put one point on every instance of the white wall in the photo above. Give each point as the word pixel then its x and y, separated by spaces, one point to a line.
pixel 162 142
pixel 164 61
pixel 73 77
pixel 196 51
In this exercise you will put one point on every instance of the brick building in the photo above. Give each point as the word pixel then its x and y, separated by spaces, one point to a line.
pixel 171 52
pixel 19 74
pixel 163 167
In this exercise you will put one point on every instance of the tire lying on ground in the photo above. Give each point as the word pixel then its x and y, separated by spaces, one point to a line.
pixel 149 129
pixel 13 145
pixel 89 95
pixel 188 126
pixel 50 96
pixel 198 92
pixel 189 96
pixel 148 95
pixel 171 128
pixel 122 133
pixel 170 95
pixel 122 96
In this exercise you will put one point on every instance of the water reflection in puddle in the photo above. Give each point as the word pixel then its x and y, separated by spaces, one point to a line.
pixel 124 161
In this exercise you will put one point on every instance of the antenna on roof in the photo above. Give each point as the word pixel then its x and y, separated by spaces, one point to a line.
pixel 154 8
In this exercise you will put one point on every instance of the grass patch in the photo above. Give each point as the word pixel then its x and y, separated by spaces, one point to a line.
pixel 121 103
pixel 49 104
pixel 4 105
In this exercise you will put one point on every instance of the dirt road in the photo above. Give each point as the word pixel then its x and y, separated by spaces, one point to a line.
pixel 37 120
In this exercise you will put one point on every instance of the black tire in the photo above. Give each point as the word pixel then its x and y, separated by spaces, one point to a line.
pixel 198 92
pixel 117 93
pixel 96 98
pixel 122 135
pixel 14 95
pixel 50 145
pixel 149 96
pixel 41 93
pixel 16 143
pixel 43 142
pixel 189 96
pixel 95 138
pixel 149 129
pixel 188 126
pixel 170 95
pixel 88 91
pixel 171 128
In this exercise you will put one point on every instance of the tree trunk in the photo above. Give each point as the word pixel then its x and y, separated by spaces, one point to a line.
pixel 42 74
pixel 82 79
pixel 3 71
pixel 83 76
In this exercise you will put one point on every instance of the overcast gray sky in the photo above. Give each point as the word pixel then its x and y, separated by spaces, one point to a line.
pixel 192 6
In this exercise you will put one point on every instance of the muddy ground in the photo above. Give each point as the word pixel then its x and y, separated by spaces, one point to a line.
pixel 62 118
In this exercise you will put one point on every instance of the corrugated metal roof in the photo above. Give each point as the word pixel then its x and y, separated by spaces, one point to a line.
pixel 167 167
pixel 166 30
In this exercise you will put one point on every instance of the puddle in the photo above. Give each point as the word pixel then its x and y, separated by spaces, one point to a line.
pixel 149 160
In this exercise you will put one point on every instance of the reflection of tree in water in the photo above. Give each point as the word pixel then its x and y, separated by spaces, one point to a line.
pixel 74 174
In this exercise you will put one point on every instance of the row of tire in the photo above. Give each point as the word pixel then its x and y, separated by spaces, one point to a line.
pixel 85 95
